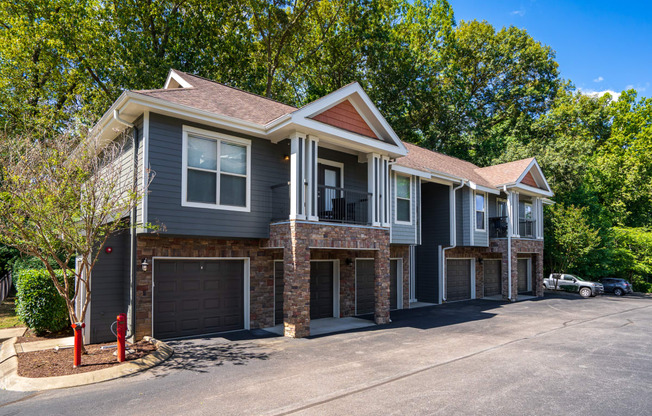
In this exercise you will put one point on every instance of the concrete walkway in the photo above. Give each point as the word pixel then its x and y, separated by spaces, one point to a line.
pixel 7 333
pixel 328 326
pixel 47 344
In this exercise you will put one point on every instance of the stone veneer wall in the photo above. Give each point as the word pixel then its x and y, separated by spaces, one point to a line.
pixel 534 248
pixel 300 239
pixel 476 253
pixel 261 273
pixel 498 249
pixel 403 252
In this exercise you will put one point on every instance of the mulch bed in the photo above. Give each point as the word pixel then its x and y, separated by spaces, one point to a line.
pixel 50 363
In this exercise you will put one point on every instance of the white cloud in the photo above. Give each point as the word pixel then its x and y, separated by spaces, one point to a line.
pixel 596 94
pixel 598 79
pixel 520 12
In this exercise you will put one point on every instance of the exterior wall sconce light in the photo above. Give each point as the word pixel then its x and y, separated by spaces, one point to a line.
pixel 144 264
pixel 286 157
pixel 348 262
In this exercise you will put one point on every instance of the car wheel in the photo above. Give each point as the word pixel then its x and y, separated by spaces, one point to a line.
pixel 618 291
pixel 585 292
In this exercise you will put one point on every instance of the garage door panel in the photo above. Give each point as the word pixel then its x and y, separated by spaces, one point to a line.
pixel 492 277
pixel 523 275
pixel 458 280
pixel 198 296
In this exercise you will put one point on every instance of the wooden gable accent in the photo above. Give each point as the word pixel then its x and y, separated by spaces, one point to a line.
pixel 528 179
pixel 345 116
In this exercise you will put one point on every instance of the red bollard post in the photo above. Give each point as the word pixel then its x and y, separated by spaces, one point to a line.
pixel 77 327
pixel 121 332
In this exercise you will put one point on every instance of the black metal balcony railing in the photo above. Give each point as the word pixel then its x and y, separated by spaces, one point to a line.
pixel 334 204
pixel 343 205
pixel 498 227
pixel 526 228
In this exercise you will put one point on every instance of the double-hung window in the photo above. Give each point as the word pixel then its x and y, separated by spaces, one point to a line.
pixel 216 170
pixel 403 199
pixel 479 212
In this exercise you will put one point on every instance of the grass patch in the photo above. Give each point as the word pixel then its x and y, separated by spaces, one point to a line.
pixel 8 317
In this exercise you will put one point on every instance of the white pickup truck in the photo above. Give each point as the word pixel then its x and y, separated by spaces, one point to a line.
pixel 571 283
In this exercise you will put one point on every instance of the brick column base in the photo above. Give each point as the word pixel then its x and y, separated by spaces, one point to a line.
pixel 296 288
pixel 382 284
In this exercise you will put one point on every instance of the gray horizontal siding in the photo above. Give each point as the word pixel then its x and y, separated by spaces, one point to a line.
pixel 402 233
pixel 355 173
pixel 480 238
pixel 110 285
pixel 164 200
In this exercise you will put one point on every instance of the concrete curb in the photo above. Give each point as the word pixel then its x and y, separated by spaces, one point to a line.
pixel 12 381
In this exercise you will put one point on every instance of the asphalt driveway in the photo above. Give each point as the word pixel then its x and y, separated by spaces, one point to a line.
pixel 558 355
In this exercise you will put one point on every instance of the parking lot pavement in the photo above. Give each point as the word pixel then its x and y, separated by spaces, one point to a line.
pixel 560 354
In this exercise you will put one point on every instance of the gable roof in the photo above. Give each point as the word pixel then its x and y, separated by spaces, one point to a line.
pixel 345 116
pixel 493 177
pixel 218 98
pixel 505 173
pixel 429 161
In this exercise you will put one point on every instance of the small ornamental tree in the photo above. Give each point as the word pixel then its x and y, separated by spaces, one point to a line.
pixel 61 198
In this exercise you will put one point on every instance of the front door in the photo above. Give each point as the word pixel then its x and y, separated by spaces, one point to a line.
pixel 524 280
pixel 321 289
pixel 365 296
pixel 329 177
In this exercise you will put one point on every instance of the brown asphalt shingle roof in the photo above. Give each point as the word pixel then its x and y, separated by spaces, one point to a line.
pixel 492 176
pixel 505 173
pixel 220 99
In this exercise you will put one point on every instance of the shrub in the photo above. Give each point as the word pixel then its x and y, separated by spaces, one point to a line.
pixel 38 303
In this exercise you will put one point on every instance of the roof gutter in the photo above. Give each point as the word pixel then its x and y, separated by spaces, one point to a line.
pixel 510 210
pixel 452 216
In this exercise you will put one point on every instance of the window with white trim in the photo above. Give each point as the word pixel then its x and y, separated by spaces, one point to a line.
pixel 216 170
pixel 479 212
pixel 403 199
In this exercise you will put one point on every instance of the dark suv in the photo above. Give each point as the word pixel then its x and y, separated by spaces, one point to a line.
pixel 616 286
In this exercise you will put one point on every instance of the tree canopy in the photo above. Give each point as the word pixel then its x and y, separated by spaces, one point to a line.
pixel 467 89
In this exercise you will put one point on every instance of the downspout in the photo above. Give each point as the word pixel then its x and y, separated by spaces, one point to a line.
pixel 453 238
pixel 509 242
pixel 132 220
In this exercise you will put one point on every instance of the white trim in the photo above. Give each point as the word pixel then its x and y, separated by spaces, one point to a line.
pixel 529 272
pixel 530 190
pixel 412 285
pixel 472 214
pixel 484 211
pixel 302 115
pixel 399 281
pixel 411 171
pixel 532 164
pixel 475 186
pixel 334 164
pixel 218 137
pixel 246 283
pixel 336 284
pixel 173 76
pixel 396 197
pixel 145 165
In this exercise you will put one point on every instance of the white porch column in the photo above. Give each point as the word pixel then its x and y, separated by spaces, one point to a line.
pixel 538 217
pixel 384 192
pixel 312 152
pixel 514 214
pixel 373 173
pixel 297 176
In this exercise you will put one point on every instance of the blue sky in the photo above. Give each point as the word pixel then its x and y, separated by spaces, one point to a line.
pixel 600 45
